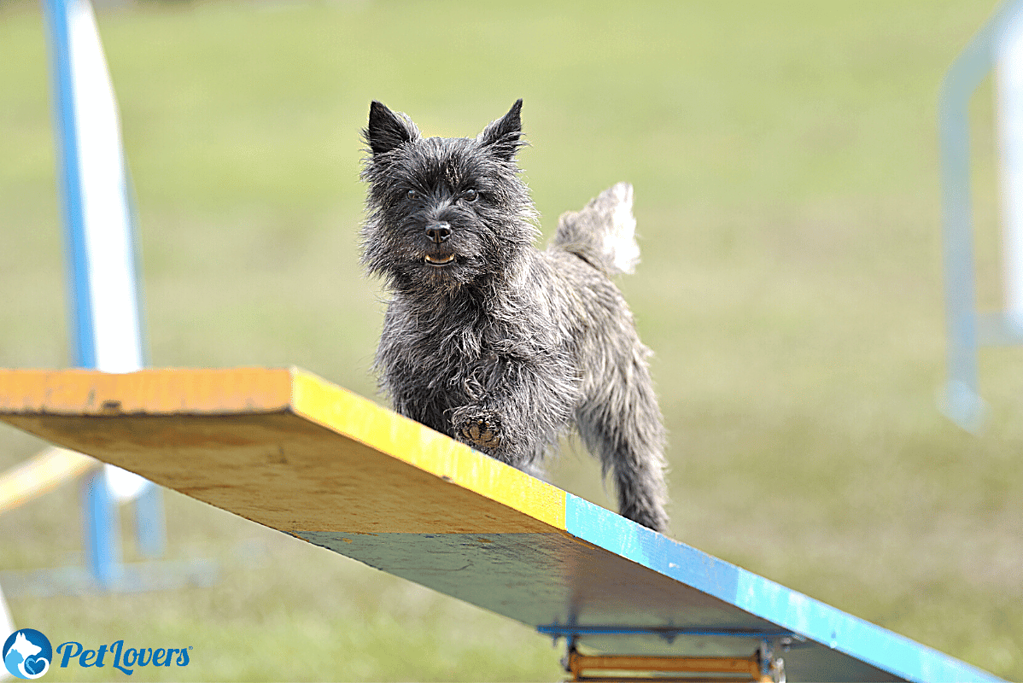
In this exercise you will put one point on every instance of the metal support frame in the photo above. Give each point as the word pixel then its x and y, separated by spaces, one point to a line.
pixel 966 329
pixel 761 666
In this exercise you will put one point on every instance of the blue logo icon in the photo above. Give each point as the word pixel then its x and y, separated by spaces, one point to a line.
pixel 27 654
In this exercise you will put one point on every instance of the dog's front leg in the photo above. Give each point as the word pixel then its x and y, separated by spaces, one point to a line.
pixel 520 414
pixel 498 431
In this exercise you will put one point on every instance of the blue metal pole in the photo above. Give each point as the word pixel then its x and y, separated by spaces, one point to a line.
pixel 104 293
pixel 102 532
pixel 100 513
pixel 150 529
pixel 962 399
pixel 82 344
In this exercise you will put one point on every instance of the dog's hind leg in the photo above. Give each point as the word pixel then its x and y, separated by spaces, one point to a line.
pixel 623 427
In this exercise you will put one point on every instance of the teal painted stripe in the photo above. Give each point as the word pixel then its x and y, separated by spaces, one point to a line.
pixel 765 599
pixel 518 574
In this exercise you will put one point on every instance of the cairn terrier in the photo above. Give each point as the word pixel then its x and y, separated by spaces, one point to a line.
pixel 491 341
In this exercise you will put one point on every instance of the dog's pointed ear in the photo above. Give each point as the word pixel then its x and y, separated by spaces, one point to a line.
pixel 504 136
pixel 387 130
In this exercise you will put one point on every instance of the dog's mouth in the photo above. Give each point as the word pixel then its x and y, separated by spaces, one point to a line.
pixel 439 261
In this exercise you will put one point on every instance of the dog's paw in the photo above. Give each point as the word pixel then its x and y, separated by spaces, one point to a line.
pixel 480 433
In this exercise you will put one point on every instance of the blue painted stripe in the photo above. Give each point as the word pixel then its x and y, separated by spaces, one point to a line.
pixel 681 562
pixel 765 599
pixel 82 324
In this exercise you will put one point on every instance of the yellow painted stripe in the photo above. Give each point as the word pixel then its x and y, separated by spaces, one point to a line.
pixel 403 439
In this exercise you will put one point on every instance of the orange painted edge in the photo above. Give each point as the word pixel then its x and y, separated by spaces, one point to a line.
pixel 154 391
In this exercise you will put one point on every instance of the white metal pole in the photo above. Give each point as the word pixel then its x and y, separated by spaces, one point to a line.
pixel 1009 99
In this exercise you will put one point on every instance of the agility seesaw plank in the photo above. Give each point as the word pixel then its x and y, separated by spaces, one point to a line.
pixel 291 451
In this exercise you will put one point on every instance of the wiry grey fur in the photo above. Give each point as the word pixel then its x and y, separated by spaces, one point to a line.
pixel 489 340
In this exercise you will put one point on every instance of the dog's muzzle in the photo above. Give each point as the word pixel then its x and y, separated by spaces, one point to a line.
pixel 438 233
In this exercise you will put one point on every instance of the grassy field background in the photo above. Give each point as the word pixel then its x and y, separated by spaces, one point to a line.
pixel 786 173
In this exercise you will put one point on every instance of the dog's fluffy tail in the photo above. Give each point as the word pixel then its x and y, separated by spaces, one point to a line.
pixel 603 233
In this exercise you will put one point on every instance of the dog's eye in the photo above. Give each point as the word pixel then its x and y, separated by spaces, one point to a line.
pixel 470 195
pixel 412 194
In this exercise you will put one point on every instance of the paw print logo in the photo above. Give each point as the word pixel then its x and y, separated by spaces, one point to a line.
pixel 27 654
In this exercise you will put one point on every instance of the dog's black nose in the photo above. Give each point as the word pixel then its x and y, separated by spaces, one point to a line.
pixel 438 232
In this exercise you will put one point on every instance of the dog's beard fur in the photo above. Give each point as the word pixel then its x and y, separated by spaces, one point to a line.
pixel 489 340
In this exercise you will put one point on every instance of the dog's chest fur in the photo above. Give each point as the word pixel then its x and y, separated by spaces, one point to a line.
pixel 437 365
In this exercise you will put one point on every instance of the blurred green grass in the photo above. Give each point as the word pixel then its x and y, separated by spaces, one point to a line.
pixel 785 165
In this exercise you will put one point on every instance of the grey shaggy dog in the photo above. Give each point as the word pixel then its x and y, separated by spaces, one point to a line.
pixel 491 341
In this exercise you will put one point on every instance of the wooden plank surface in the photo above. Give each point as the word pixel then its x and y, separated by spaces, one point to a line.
pixel 279 447
pixel 291 451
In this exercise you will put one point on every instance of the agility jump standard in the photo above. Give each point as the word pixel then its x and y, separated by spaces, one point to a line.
pixel 293 452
